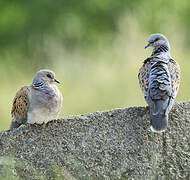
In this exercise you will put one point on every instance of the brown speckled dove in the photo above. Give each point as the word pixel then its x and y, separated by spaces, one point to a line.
pixel 39 102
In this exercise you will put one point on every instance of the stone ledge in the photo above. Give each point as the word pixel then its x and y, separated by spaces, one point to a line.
pixel 115 144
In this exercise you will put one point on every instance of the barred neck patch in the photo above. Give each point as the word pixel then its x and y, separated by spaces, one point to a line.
pixel 38 85
pixel 160 50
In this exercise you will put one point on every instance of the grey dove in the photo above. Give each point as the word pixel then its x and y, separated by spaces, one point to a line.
pixel 159 79
pixel 39 102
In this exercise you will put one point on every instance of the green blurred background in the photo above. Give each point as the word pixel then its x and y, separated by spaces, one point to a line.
pixel 95 47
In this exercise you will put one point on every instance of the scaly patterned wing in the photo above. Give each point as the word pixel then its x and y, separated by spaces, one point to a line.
pixel 143 76
pixel 144 72
pixel 20 107
pixel 174 70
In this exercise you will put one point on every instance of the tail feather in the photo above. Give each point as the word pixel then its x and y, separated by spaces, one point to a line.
pixel 158 122
pixel 14 124
pixel 159 115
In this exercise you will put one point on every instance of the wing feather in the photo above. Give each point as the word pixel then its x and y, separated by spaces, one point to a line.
pixel 174 70
pixel 20 107
pixel 144 73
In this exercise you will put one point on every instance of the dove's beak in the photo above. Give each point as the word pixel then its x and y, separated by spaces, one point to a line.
pixel 56 81
pixel 147 45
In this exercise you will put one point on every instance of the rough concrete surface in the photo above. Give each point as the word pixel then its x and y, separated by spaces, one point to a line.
pixel 115 144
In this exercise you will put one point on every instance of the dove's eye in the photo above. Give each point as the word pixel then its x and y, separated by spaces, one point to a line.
pixel 49 76
pixel 156 39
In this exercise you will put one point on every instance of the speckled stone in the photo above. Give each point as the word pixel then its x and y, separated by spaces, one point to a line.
pixel 115 144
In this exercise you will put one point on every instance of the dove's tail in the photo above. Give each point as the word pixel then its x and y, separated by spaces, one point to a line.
pixel 158 122
pixel 16 123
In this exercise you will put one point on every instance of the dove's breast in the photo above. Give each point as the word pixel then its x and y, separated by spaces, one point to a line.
pixel 45 105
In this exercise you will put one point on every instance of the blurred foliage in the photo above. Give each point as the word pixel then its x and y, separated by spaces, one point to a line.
pixel 95 48
pixel 72 21
pixel 24 24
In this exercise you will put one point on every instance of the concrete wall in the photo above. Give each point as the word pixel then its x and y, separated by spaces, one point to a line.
pixel 116 144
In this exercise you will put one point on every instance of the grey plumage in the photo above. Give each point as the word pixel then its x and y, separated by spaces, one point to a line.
pixel 159 95
pixel 39 102
pixel 160 89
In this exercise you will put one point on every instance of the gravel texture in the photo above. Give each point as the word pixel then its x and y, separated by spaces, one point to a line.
pixel 115 144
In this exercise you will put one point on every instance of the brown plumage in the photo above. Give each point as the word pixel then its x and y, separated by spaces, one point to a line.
pixel 20 105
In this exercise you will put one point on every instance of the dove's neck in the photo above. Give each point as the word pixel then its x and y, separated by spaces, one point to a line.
pixel 162 49
pixel 38 84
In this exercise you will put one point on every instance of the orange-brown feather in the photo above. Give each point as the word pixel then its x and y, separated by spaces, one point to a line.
pixel 20 104
pixel 174 70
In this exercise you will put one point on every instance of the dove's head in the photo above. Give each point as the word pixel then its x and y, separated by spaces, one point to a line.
pixel 45 75
pixel 156 40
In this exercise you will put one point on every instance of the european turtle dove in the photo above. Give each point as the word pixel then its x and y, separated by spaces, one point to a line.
pixel 39 102
pixel 159 79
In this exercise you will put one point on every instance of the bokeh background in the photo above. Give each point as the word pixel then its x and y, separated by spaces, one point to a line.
pixel 95 47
